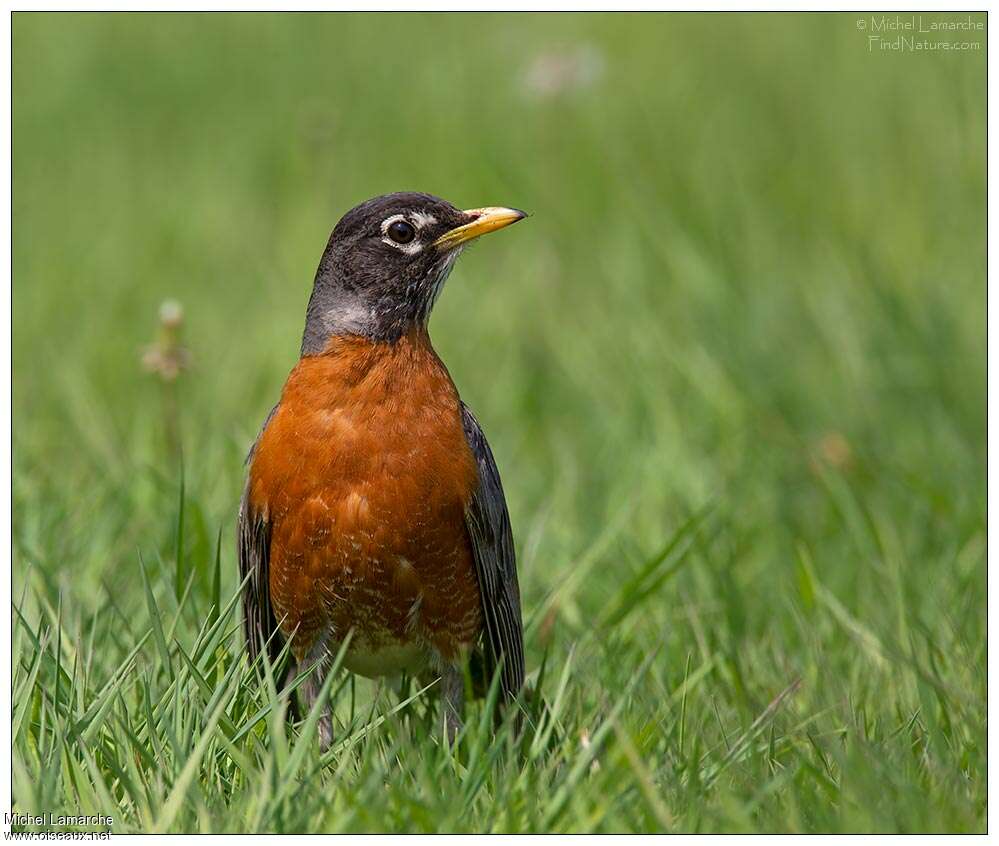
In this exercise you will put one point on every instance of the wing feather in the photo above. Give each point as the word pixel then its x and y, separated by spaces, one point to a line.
pixel 253 540
pixel 488 523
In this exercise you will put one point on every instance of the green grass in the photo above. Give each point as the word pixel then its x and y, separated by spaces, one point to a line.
pixel 732 368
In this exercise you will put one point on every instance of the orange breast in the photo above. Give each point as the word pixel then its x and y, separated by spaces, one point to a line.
pixel 364 473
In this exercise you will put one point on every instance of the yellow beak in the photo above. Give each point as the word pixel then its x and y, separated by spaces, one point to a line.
pixel 486 220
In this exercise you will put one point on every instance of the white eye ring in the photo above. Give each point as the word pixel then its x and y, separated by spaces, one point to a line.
pixel 412 247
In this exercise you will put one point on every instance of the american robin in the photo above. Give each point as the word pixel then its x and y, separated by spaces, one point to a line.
pixel 373 506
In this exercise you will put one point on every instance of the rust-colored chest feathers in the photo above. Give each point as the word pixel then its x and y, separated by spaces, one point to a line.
pixel 364 474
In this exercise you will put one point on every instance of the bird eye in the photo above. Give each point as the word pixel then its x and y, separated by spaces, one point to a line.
pixel 401 232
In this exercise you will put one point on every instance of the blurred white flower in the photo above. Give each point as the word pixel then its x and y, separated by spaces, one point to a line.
pixel 557 72
pixel 166 357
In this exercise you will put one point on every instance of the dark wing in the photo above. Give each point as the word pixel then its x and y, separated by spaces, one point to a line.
pixel 495 564
pixel 253 540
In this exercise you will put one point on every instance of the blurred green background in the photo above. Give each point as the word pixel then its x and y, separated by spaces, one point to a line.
pixel 752 289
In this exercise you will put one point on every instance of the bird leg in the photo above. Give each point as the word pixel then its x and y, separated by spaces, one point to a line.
pixel 316 661
pixel 452 700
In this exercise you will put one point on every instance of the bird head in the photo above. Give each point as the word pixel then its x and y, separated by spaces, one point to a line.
pixel 386 262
